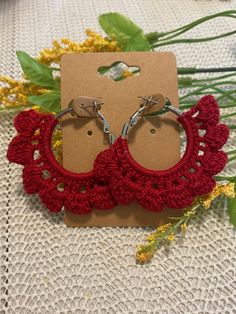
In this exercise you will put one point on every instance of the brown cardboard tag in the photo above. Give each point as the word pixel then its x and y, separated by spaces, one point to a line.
pixel 84 106
pixel 154 142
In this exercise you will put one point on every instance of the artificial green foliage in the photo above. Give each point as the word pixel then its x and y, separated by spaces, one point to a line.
pixel 36 72
pixel 129 35
pixel 48 102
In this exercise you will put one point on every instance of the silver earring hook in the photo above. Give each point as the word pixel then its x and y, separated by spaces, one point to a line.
pixel 149 101
pixel 171 108
pixel 96 107
pixel 106 125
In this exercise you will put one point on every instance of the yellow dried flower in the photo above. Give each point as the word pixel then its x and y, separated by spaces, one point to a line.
pixel 94 43
pixel 163 227
pixel 183 228
pixel 14 93
pixel 57 145
pixel 171 237
pixel 36 108
pixel 190 213
pixel 43 91
pixel 226 189
pixel 163 233
pixel 37 132
pixel 143 255
pixel 151 237
pixel 127 73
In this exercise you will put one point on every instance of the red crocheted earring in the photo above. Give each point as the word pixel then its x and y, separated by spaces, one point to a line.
pixel 42 174
pixel 176 187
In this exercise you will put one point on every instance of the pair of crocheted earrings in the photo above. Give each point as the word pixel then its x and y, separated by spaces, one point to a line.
pixel 116 177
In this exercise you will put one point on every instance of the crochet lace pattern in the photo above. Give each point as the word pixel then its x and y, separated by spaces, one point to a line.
pixel 42 174
pixel 178 186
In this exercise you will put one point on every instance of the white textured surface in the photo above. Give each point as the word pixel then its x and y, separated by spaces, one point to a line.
pixel 47 268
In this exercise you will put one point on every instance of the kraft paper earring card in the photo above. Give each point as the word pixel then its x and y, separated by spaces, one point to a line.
pixel 154 143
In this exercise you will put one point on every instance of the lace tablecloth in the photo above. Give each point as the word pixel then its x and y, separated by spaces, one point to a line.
pixel 48 268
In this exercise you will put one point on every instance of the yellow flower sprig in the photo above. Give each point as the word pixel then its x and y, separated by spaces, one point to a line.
pixel 57 145
pixel 165 234
pixel 14 93
pixel 94 43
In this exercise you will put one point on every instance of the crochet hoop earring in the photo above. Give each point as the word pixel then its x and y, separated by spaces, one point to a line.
pixel 178 186
pixel 42 174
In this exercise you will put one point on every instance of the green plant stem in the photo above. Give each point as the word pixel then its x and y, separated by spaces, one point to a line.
pixel 185 28
pixel 174 227
pixel 194 70
pixel 190 104
pixel 225 178
pixel 215 90
pixel 228 115
pixel 223 93
pixel 167 38
pixel 193 40
pixel 204 91
pixel 216 78
pixel 206 87
pixel 232 158
pixel 227 94
pixel 193 100
pixel 231 152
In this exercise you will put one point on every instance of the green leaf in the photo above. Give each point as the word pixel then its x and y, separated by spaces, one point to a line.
pixel 128 35
pixel 232 211
pixel 38 73
pixel 48 102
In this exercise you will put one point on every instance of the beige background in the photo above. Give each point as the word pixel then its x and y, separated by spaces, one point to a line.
pixel 48 268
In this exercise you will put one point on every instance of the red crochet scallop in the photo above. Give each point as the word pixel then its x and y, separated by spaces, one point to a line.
pixel 42 174
pixel 178 186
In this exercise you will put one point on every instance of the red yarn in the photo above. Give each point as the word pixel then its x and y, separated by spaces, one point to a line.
pixel 178 186
pixel 42 174
pixel 117 177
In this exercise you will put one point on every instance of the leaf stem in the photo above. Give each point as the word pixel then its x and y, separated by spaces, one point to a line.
pixel 206 87
pixel 232 158
pixel 190 104
pixel 194 70
pixel 188 81
pixel 225 178
pixel 185 28
pixel 227 93
pixel 193 40
pixel 231 152
pixel 228 115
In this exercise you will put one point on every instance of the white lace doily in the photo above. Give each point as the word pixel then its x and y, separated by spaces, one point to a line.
pixel 48 268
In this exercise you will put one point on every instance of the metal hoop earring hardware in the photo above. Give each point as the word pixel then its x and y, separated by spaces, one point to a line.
pixel 83 103
pixel 164 106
